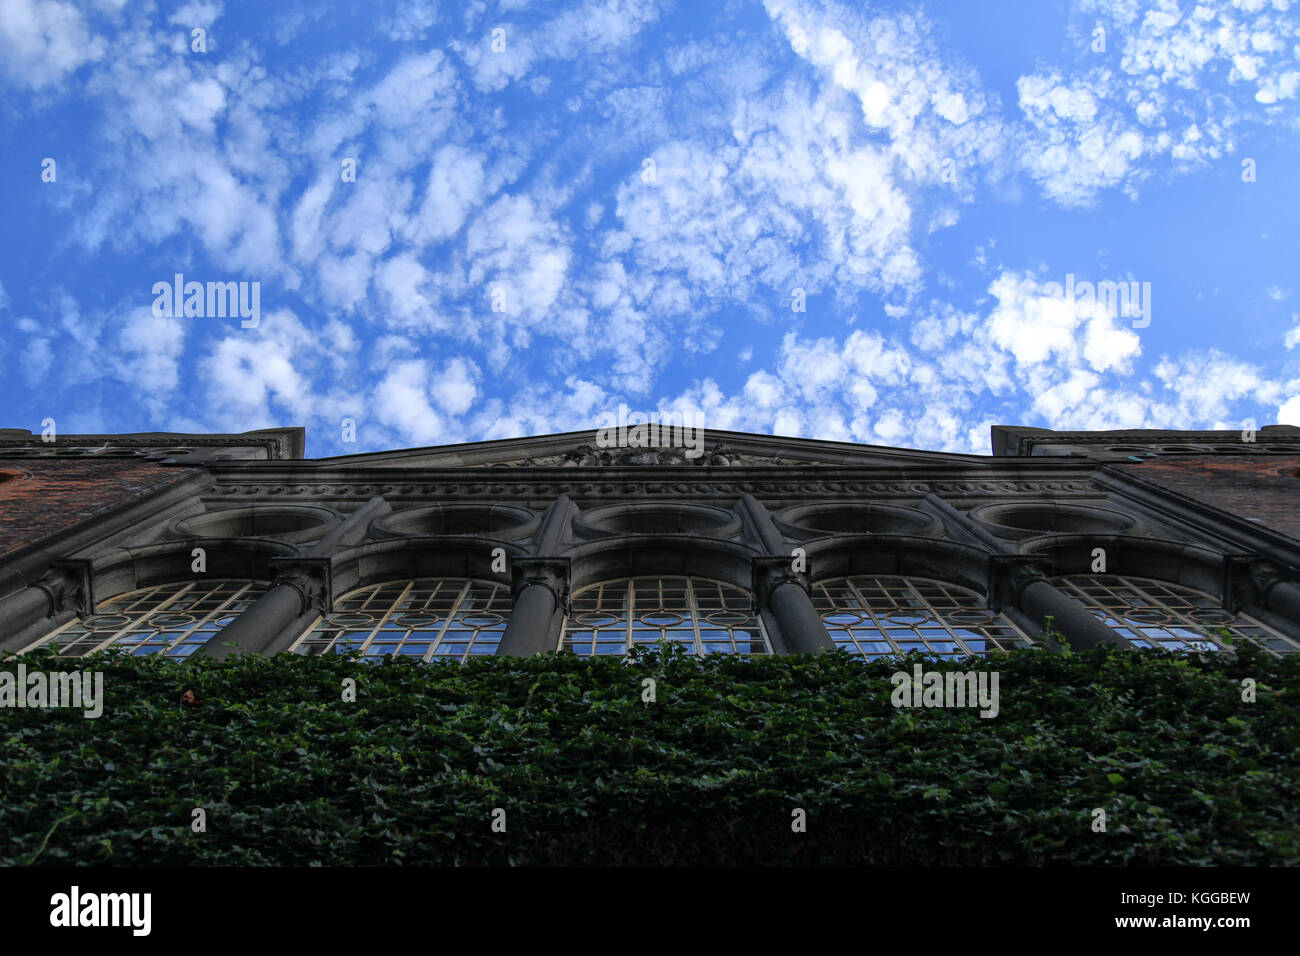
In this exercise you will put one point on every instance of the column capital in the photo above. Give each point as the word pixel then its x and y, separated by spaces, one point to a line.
pixel 311 577
pixel 554 574
pixel 68 585
pixel 770 571
pixel 1248 578
pixel 1009 574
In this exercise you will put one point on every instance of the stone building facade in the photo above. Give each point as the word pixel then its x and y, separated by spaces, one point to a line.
pixel 217 544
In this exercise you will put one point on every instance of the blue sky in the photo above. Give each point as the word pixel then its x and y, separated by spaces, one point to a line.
pixel 561 208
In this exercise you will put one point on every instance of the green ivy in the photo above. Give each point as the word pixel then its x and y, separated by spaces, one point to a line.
pixel 709 773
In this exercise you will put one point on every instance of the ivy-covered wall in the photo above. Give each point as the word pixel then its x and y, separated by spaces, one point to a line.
pixel 587 771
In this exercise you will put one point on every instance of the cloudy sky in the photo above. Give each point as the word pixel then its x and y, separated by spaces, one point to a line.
pixel 796 217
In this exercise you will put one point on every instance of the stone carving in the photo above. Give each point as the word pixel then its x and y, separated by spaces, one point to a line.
pixel 591 456
pixel 621 487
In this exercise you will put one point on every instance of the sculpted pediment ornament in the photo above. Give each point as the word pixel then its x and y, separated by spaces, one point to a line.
pixel 590 456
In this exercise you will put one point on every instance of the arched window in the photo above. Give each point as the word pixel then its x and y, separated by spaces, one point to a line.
pixel 1149 613
pixel 428 618
pixel 884 616
pixel 170 619
pixel 699 615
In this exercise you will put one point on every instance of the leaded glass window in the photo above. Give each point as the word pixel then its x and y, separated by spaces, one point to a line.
pixel 1149 613
pixel 445 619
pixel 885 616
pixel 696 614
pixel 170 619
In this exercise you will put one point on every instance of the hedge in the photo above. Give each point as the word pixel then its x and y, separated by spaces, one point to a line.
pixel 711 772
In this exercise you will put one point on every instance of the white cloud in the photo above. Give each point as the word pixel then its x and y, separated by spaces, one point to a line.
pixel 1073 150
pixel 401 400
pixel 42 41
pixel 411 21
pixel 196 13
pixel 455 388
pixel 456 185
pixel 514 247
pixel 1035 327
pixel 150 349
pixel 406 290
pixel 591 29
pixel 274 373
pixel 1102 129
pixel 1288 412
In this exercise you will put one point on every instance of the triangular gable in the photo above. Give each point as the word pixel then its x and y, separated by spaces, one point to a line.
pixel 586 449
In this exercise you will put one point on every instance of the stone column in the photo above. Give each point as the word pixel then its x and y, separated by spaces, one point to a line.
pixel 539 585
pixel 780 590
pixel 1018 581
pixel 1283 598
pixel 1251 579
pixel 541 589
pixel 63 592
pixel 300 594
pixel 302 591
pixel 783 592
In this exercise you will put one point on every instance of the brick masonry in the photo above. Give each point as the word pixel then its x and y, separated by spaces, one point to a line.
pixel 39 497
pixel 1261 488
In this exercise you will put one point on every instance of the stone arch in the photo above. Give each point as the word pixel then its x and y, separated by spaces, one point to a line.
pixel 1022 521
pixel 499 522
pixel 290 523
pixel 128 569
pixel 803 522
pixel 410 558
pixel 903 555
pixel 657 518
pixel 1174 561
pixel 627 556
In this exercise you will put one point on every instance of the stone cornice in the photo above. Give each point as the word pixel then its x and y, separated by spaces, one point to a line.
pixel 282 444
pixel 509 490
pixel 1019 440
pixel 272 481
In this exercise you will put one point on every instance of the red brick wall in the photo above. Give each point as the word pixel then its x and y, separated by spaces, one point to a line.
pixel 42 496
pixel 1263 487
